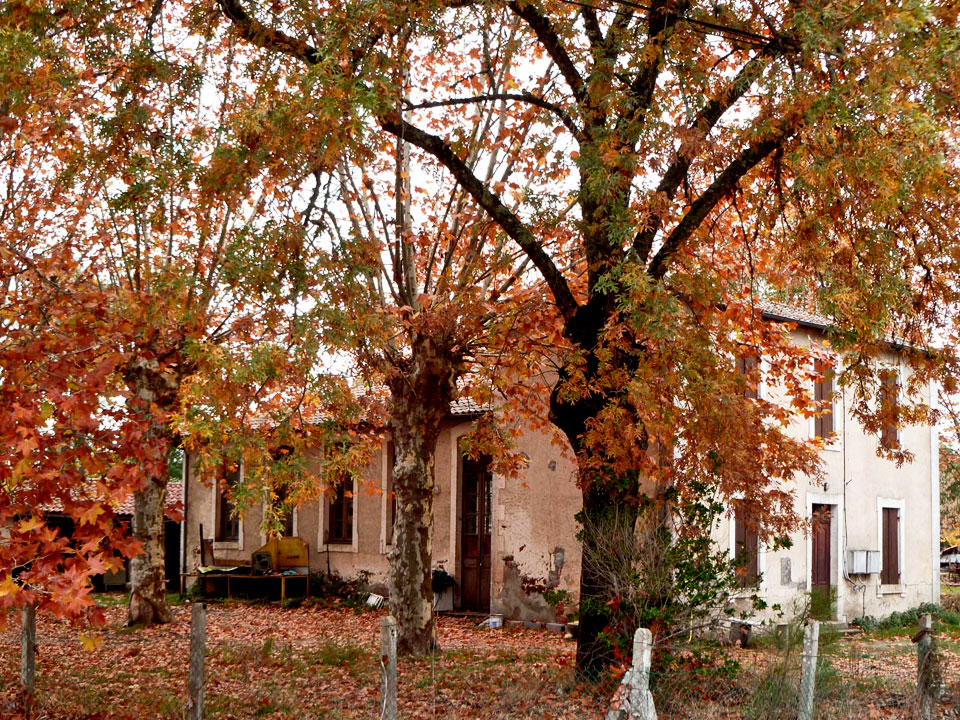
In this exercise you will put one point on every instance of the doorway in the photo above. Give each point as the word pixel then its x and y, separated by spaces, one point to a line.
pixel 822 597
pixel 476 503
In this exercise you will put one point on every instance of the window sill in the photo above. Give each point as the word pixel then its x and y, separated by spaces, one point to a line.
pixel 890 590
pixel 338 548
pixel 227 545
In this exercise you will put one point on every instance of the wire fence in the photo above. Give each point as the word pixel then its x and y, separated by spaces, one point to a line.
pixel 853 678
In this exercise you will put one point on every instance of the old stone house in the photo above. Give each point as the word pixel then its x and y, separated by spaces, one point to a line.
pixel 873 550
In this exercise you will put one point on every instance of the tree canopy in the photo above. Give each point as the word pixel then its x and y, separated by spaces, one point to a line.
pixel 689 161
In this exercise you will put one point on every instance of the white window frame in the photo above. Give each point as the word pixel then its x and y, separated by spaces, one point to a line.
pixel 900 505
pixel 215 495
pixel 354 546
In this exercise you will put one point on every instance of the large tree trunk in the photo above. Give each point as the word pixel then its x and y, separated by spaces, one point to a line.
pixel 420 400
pixel 602 496
pixel 155 390
pixel 148 583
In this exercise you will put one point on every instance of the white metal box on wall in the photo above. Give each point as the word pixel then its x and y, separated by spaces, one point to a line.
pixel 863 562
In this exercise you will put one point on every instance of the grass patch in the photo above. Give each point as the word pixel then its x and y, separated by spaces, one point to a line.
pixel 334 654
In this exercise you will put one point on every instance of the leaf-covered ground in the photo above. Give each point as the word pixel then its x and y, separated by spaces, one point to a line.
pixel 307 662
pixel 322 662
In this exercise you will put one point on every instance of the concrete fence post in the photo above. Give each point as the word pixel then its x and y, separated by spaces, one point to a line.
pixel 28 655
pixel 634 699
pixel 388 668
pixel 198 642
pixel 808 670
pixel 928 668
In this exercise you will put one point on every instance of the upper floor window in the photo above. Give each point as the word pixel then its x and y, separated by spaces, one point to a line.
pixel 889 408
pixel 227 520
pixel 748 367
pixel 823 424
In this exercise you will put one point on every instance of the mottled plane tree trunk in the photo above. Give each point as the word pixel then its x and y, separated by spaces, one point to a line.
pixel 420 400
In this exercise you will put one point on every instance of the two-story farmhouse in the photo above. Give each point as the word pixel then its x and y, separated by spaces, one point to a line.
pixel 873 548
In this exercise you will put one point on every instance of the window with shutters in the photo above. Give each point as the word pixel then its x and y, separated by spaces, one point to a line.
pixel 227 522
pixel 823 421
pixel 749 367
pixel 282 492
pixel 339 515
pixel 746 550
pixel 889 408
pixel 890 545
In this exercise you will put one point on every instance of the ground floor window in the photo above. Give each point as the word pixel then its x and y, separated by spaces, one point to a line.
pixel 340 515
pixel 227 520
pixel 890 545
pixel 746 549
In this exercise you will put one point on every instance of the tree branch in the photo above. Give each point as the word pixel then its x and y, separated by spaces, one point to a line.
pixel 592 27
pixel 722 185
pixel 543 29
pixel 660 20
pixel 262 35
pixel 524 96
pixel 259 34
pixel 706 119
pixel 504 217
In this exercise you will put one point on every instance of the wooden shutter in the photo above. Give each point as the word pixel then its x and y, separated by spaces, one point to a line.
pixel 890 575
pixel 823 394
pixel 889 409
pixel 745 366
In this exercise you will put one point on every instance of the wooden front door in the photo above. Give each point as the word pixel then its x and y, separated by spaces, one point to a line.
pixel 820 555
pixel 475 528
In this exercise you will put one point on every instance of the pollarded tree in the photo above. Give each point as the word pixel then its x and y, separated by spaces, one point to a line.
pixel 706 156
pixel 147 261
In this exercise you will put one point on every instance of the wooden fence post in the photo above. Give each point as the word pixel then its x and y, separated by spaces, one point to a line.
pixel 808 670
pixel 928 667
pixel 388 668
pixel 198 641
pixel 28 656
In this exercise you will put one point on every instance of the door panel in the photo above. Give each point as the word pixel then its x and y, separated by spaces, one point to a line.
pixel 475 530
pixel 821 552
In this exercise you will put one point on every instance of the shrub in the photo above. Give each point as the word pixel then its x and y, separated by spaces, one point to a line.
pixel 332 585
pixel 908 619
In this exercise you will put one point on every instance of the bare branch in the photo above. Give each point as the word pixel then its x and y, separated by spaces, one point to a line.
pixel 527 97
pixel 504 217
pixel 721 186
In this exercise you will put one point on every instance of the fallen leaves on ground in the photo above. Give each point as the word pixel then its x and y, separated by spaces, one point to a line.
pixel 323 662
pixel 306 662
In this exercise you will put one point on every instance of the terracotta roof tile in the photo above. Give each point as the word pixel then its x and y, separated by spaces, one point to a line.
pixel 174 498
